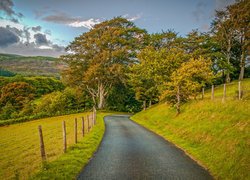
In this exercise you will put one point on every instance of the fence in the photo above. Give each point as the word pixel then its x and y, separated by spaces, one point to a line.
pixel 229 91
pixel 89 121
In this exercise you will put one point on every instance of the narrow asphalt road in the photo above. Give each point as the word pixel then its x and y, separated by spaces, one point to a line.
pixel 129 151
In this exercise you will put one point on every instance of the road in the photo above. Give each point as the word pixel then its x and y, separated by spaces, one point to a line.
pixel 129 151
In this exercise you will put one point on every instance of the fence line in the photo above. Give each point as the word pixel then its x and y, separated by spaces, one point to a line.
pixel 91 121
pixel 225 92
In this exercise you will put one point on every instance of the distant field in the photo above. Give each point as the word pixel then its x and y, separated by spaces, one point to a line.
pixel 215 133
pixel 20 153
pixel 31 66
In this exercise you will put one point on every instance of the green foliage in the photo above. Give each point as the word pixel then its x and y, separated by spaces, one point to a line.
pixel 153 70
pixel 122 98
pixel 20 92
pixel 7 111
pixel 42 85
pixel 6 73
pixel 57 102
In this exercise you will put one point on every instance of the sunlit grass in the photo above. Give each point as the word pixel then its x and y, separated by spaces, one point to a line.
pixel 215 133
pixel 20 149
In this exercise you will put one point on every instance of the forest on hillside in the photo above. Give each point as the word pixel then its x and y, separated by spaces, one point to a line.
pixel 119 66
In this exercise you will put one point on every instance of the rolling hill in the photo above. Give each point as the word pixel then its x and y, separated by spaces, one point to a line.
pixel 30 65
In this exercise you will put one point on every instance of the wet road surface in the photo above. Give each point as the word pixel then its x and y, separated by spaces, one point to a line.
pixel 129 151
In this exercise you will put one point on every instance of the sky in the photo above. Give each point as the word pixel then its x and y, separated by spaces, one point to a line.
pixel 46 27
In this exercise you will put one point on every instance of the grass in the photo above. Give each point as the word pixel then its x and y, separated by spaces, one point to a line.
pixel 20 153
pixel 214 133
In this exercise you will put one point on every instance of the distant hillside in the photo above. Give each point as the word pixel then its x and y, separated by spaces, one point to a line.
pixel 30 65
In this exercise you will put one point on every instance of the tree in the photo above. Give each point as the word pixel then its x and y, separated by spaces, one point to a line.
pixel 224 34
pixel 187 81
pixel 17 94
pixel 240 17
pixel 100 57
pixel 153 70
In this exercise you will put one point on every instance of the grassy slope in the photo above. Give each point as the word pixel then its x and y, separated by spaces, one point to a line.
pixel 214 133
pixel 20 153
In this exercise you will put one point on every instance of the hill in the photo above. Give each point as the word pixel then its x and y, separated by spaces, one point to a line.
pixel 213 132
pixel 30 65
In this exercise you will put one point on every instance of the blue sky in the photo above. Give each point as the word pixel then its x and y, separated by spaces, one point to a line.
pixel 44 27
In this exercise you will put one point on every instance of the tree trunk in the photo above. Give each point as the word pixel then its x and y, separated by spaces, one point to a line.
pixel 228 60
pixel 101 97
pixel 242 65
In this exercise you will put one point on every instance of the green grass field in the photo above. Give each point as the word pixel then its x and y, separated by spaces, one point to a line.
pixel 214 133
pixel 20 149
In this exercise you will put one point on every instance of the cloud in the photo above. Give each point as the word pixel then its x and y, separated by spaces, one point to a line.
pixel 7 37
pixel 7 7
pixel 19 39
pixel 132 18
pixel 87 24
pixel 41 39
pixel 36 28
pixel 63 18
pixel 60 18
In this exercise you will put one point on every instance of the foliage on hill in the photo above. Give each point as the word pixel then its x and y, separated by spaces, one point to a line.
pixel 30 65
pixel 215 133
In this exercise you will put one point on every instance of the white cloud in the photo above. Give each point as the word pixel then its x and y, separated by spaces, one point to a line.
pixel 87 24
pixel 132 18
pixel 45 47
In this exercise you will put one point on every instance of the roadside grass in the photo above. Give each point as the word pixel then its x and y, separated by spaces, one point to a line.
pixel 69 165
pixel 20 148
pixel 214 133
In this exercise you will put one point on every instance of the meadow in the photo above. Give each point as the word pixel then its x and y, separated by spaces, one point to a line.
pixel 20 149
pixel 214 133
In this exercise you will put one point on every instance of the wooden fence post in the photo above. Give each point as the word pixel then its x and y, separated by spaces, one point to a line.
pixel 94 116
pixel 75 130
pixel 90 118
pixel 42 148
pixel 212 93
pixel 203 92
pixel 64 137
pixel 150 103
pixel 144 105
pixel 224 93
pixel 82 126
pixel 239 89
pixel 88 122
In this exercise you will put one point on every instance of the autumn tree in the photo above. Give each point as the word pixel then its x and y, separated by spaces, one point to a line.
pixel 17 94
pixel 101 56
pixel 187 81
